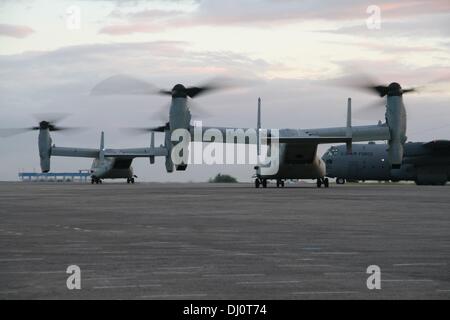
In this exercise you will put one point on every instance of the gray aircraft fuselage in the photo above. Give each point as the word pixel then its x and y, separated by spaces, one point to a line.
pixel 112 168
pixel 421 164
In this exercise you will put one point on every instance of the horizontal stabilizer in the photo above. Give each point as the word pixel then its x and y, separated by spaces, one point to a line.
pixel 75 152
pixel 136 152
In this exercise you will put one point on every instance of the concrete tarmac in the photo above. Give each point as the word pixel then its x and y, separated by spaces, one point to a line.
pixel 215 241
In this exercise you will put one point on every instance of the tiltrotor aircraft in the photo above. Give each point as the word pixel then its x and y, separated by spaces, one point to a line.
pixel 298 157
pixel 107 163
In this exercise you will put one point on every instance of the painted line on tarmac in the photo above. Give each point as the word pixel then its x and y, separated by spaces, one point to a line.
pixel 420 264
pixel 324 292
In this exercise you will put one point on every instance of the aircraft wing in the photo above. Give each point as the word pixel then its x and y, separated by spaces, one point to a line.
pixel 313 140
pixel 75 152
pixel 136 152
pixel 358 133
pixel 296 136
pixel 320 135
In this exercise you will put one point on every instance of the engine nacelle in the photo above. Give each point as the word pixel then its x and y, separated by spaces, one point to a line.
pixel 168 145
pixel 396 120
pixel 45 149
pixel 152 146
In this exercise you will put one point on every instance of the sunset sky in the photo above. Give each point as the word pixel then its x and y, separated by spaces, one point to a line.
pixel 50 57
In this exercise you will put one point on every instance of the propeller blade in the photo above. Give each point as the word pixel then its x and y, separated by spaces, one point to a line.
pixel 192 92
pixel 144 130
pixel 165 92
pixel 46 121
pixel 123 85
pixel 380 90
pixel 66 129
pixel 211 85
pixel 371 111
pixel 409 90
pixel 8 132
pixel 50 117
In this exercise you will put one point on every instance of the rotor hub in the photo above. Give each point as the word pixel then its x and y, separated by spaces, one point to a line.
pixel 179 91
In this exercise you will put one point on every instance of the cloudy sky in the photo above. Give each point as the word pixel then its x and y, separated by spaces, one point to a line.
pixel 53 52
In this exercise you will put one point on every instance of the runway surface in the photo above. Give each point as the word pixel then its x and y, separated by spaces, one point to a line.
pixel 207 241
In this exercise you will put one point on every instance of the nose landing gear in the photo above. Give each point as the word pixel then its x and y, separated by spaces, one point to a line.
pixel 280 183
pixel 96 180
pixel 323 181
pixel 260 182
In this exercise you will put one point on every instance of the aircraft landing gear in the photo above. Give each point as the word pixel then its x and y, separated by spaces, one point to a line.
pixel 130 180
pixel 260 182
pixel 95 180
pixel 323 181
pixel 280 183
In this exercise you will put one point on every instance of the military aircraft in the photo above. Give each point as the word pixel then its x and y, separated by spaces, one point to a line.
pixel 298 157
pixel 107 163
pixel 425 163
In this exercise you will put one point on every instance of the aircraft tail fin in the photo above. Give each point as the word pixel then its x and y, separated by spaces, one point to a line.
pixel 258 128
pixel 348 132
pixel 258 138
pixel 102 146
pixel 152 146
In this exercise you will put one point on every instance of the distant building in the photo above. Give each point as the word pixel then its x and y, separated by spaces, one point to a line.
pixel 80 176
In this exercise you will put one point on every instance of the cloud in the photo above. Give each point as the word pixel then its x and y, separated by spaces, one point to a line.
pixel 266 13
pixel 15 31
pixel 59 80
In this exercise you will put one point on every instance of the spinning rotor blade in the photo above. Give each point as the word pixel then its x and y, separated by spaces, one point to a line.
pixel 211 85
pixel 123 85
pixel 50 117
pixel 370 111
pixel 49 124
pixel 364 82
pixel 8 132
pixel 144 130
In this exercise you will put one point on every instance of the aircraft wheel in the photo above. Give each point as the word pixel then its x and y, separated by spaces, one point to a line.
pixel 92 181
pixel 100 181
pixel 264 183
pixel 128 180
pixel 257 183
pixel 282 183
pixel 278 183
pixel 319 183
pixel 132 180
pixel 326 182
